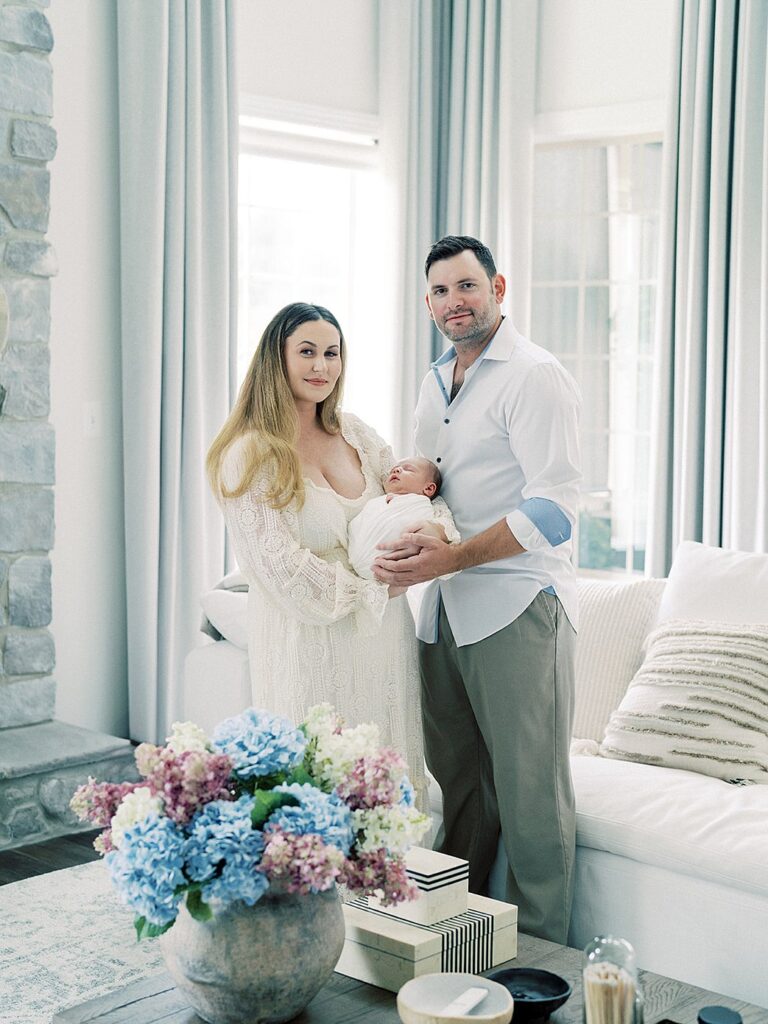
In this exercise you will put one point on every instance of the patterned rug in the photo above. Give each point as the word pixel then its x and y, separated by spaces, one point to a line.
pixel 65 938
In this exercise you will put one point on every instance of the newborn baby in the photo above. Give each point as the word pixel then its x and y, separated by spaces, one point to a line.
pixel 410 489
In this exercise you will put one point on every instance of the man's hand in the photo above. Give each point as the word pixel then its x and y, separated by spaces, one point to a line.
pixel 432 558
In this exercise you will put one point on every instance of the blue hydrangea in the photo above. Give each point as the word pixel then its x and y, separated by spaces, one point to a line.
pixel 407 796
pixel 147 868
pixel 224 850
pixel 324 814
pixel 260 743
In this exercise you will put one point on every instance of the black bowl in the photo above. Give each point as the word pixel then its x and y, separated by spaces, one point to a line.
pixel 536 993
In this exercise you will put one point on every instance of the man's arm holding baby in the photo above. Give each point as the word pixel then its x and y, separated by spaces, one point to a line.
pixel 418 556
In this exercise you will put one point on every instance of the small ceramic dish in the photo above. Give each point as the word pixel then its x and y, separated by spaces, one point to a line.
pixel 536 993
pixel 421 1000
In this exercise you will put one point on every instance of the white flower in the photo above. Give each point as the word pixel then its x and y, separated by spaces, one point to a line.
pixel 321 721
pixel 187 736
pixel 395 828
pixel 135 806
pixel 337 753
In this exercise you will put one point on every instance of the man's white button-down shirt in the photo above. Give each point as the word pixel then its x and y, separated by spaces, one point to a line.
pixel 507 447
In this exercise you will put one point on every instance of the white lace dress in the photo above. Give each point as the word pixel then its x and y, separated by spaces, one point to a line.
pixel 317 631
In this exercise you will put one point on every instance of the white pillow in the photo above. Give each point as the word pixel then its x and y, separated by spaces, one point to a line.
pixel 716 585
pixel 614 620
pixel 698 702
pixel 226 610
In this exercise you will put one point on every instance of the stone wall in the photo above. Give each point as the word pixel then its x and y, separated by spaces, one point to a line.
pixel 27 261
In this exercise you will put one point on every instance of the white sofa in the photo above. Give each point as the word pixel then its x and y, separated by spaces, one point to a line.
pixel 672 860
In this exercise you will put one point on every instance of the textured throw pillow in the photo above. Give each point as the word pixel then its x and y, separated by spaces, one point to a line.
pixel 226 610
pixel 699 702
pixel 716 585
pixel 615 619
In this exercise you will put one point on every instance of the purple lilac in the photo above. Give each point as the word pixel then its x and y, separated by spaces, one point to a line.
pixel 379 873
pixel 303 863
pixel 373 781
pixel 186 781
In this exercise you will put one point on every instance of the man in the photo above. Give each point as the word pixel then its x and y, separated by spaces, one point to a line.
pixel 499 416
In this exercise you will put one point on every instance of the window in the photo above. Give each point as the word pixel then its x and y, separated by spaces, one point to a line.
pixel 312 228
pixel 595 241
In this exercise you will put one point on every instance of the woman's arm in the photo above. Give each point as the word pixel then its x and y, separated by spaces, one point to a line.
pixel 302 584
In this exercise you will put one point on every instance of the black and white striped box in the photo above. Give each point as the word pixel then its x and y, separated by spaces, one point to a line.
pixel 443 884
pixel 385 951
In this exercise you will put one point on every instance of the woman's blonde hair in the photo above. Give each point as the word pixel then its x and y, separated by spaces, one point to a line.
pixel 265 414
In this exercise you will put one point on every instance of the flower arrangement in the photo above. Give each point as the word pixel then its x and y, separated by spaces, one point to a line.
pixel 261 803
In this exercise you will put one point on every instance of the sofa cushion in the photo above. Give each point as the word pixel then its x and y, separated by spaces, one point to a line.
pixel 615 618
pixel 699 701
pixel 716 585
pixel 675 819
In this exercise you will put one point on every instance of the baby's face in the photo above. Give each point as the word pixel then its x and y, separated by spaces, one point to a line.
pixel 411 476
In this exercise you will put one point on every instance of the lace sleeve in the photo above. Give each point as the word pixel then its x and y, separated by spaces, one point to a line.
pixel 302 584
pixel 379 454
pixel 442 514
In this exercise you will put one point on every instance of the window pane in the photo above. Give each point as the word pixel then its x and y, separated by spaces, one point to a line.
pixel 595 180
pixel 596 248
pixel 554 318
pixel 557 180
pixel 557 249
pixel 597 322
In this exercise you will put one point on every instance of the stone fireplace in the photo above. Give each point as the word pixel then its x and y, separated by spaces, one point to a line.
pixel 41 760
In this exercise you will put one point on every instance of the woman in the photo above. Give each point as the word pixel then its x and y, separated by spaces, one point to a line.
pixel 291 471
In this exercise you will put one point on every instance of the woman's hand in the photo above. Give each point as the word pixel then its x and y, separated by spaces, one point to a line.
pixel 396 591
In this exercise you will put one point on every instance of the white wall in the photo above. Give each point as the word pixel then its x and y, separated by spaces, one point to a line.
pixel 309 52
pixel 88 556
pixel 599 55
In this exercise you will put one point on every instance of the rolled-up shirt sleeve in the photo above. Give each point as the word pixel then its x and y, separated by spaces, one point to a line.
pixel 543 427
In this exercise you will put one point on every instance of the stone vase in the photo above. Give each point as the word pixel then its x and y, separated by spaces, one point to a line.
pixel 259 964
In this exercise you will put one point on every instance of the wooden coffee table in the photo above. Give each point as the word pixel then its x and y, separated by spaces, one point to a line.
pixel 345 1001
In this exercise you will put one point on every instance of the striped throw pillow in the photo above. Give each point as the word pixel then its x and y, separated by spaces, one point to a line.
pixel 699 701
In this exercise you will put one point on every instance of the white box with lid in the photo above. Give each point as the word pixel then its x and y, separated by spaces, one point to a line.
pixel 386 951
pixel 443 884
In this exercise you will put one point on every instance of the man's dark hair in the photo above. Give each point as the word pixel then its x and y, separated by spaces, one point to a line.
pixel 452 245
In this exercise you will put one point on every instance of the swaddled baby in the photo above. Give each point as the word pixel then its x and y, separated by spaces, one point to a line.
pixel 410 489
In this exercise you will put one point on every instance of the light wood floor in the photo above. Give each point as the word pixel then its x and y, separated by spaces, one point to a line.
pixel 64 852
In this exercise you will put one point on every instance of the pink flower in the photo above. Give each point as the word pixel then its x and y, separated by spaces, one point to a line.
pixel 302 863
pixel 379 873
pixel 373 781
pixel 186 781
pixel 98 801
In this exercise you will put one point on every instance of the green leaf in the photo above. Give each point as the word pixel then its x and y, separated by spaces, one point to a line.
pixel 267 802
pixel 146 930
pixel 302 776
pixel 197 907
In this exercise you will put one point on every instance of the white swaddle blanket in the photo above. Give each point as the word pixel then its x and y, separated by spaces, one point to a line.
pixel 381 520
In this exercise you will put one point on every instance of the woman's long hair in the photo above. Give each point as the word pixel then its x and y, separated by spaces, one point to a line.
pixel 265 414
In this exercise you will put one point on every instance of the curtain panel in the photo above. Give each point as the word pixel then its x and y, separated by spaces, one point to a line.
pixel 709 462
pixel 466 168
pixel 178 192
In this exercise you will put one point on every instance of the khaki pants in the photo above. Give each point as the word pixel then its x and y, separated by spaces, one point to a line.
pixel 497 728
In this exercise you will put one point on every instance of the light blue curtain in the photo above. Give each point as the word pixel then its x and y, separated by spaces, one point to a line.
pixel 709 467
pixel 467 167
pixel 178 153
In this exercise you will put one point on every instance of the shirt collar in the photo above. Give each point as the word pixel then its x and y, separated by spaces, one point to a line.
pixel 500 348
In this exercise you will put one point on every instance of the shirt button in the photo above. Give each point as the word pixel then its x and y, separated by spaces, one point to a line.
pixel 446 421
pixel 438 459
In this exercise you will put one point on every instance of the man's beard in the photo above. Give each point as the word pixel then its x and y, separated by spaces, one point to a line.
pixel 473 334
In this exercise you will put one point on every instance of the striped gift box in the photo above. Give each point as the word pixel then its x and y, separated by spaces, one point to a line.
pixel 386 951
pixel 442 882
